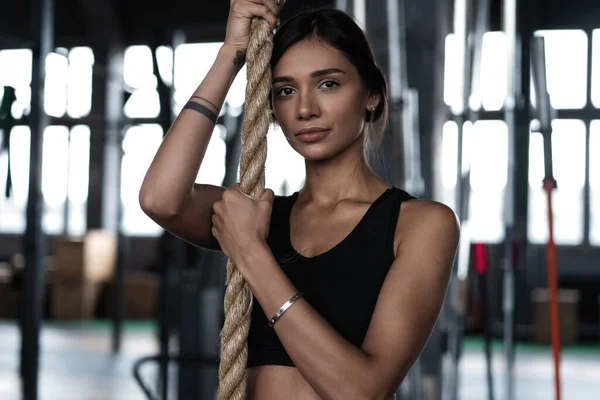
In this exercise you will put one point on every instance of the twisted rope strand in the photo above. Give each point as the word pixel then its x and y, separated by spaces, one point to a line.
pixel 238 297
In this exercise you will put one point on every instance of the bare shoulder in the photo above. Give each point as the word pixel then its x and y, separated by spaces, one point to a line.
pixel 426 220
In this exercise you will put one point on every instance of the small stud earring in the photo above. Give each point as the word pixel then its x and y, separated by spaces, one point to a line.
pixel 372 108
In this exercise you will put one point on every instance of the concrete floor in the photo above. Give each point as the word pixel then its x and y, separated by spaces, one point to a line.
pixel 534 373
pixel 76 364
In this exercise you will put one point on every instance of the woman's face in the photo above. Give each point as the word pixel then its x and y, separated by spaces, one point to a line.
pixel 316 88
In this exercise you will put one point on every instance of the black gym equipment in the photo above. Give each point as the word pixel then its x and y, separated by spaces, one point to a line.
pixel 6 125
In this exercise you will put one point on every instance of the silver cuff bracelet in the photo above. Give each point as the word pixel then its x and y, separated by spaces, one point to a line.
pixel 284 307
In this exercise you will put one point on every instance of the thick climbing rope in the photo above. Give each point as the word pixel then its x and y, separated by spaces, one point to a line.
pixel 238 297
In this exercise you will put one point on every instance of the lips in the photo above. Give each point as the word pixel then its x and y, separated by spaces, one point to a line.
pixel 312 134
pixel 311 130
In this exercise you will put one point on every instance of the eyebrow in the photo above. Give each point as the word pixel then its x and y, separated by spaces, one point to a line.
pixel 314 74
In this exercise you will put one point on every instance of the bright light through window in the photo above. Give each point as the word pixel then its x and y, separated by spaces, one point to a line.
pixel 79 170
pixel 55 165
pixel 192 63
pixel 486 147
pixel 449 154
pixel 489 154
pixel 451 70
pixel 143 103
pixel 137 68
pixel 568 150
pixel 15 71
pixel 566 67
pixel 58 156
pixel 164 57
pixel 285 171
pixel 485 152
pixel 79 89
pixel 596 68
pixel 55 91
pixel 595 182
pixel 139 146
pixel 139 76
pixel 494 65
pixel 450 157
pixel 12 209
pixel 492 80
pixel 212 170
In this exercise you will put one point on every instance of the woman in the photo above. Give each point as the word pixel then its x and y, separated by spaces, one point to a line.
pixel 361 287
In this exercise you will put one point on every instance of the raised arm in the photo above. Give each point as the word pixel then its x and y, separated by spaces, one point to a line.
pixel 168 194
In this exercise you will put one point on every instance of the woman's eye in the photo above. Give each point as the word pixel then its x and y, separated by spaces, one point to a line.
pixel 330 84
pixel 285 91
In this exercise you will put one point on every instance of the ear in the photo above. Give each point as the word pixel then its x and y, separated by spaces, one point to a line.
pixel 373 99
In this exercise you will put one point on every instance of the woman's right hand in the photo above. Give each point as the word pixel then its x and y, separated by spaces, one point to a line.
pixel 240 17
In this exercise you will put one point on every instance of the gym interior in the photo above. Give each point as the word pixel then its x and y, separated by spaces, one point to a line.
pixel 494 111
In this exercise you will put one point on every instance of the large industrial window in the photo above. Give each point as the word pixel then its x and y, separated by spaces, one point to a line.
pixel 485 144
pixel 65 151
pixel 65 169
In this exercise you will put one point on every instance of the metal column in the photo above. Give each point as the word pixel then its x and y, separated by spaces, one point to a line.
pixel 516 113
pixel 42 22
pixel 104 198
pixel 111 178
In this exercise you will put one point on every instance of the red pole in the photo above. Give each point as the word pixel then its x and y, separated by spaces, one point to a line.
pixel 553 289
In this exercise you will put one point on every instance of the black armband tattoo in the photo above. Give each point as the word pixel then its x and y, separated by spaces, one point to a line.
pixel 207 112
pixel 206 100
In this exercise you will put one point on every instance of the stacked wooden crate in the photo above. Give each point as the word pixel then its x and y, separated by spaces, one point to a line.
pixel 568 303
pixel 82 266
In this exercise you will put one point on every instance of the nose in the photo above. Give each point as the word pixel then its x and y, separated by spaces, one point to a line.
pixel 307 107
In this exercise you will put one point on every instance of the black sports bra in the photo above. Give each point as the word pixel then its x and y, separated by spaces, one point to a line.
pixel 342 284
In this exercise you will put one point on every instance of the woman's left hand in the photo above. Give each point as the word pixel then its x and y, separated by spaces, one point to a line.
pixel 241 222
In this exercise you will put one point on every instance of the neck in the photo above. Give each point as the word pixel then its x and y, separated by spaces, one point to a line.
pixel 344 176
